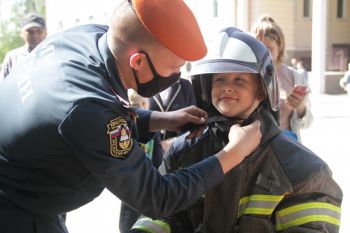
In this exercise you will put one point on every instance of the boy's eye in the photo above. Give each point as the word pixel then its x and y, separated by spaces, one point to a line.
pixel 239 80
pixel 220 79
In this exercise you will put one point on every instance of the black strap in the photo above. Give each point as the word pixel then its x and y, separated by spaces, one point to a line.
pixel 209 121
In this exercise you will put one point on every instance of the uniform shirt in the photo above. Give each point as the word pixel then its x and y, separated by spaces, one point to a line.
pixel 66 134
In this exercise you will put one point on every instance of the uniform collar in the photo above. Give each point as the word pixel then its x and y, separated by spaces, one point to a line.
pixel 112 75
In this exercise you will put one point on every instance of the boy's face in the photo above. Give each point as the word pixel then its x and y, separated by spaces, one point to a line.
pixel 236 94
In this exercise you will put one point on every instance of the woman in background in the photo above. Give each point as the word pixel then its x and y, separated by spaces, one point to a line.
pixel 294 89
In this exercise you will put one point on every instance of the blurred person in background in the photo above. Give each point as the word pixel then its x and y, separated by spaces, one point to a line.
pixel 302 70
pixel 33 31
pixel 177 96
pixel 294 62
pixel 295 112
pixel 344 82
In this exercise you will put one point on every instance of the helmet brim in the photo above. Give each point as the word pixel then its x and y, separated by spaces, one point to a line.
pixel 212 67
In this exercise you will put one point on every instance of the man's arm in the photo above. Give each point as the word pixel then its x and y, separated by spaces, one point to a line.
pixel 242 140
pixel 123 168
pixel 174 120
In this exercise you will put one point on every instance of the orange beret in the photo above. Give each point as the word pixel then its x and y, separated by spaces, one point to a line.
pixel 173 24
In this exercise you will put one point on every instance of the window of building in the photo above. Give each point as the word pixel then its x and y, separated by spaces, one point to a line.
pixel 338 59
pixel 340 9
pixel 307 8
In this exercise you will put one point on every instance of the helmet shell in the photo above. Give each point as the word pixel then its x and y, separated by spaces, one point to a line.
pixel 232 50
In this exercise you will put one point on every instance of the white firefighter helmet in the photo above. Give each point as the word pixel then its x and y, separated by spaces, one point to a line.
pixel 232 50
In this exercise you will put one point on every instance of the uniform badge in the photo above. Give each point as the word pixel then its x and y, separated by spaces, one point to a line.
pixel 119 138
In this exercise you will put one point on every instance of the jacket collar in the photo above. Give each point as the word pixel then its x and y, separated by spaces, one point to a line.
pixel 112 75
pixel 269 129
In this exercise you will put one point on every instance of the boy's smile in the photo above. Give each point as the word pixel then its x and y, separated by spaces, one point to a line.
pixel 226 97
pixel 235 94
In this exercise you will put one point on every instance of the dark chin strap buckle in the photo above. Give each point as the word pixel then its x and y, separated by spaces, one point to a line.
pixel 210 121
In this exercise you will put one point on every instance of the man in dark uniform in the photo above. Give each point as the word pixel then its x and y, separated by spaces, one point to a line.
pixel 66 132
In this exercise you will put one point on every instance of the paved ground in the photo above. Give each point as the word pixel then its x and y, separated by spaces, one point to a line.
pixel 328 137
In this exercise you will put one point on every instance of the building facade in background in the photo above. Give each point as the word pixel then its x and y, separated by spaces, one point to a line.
pixel 66 13
pixel 295 17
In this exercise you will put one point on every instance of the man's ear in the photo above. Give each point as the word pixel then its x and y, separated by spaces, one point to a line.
pixel 137 60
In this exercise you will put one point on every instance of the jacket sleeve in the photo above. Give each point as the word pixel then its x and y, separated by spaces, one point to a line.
pixel 178 222
pixel 143 120
pixel 119 164
pixel 297 123
pixel 306 120
pixel 180 147
pixel 315 207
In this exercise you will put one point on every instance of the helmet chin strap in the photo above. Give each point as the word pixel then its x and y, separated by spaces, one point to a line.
pixel 224 123
pixel 253 116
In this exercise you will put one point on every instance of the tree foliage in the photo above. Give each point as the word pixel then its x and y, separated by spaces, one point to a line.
pixel 10 28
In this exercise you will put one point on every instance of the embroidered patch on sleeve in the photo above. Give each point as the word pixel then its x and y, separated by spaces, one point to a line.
pixel 120 141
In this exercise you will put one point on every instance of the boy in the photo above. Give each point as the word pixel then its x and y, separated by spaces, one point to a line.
pixel 281 186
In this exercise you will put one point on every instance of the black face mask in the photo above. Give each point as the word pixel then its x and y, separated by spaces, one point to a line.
pixel 157 84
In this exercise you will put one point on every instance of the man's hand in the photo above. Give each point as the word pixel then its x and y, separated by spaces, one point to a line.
pixel 175 120
pixel 242 142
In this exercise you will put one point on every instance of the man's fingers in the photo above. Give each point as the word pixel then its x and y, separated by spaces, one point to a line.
pixel 195 120
pixel 193 110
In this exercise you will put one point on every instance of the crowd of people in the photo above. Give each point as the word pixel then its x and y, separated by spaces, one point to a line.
pixel 218 152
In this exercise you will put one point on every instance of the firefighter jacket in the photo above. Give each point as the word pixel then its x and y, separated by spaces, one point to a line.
pixel 281 187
